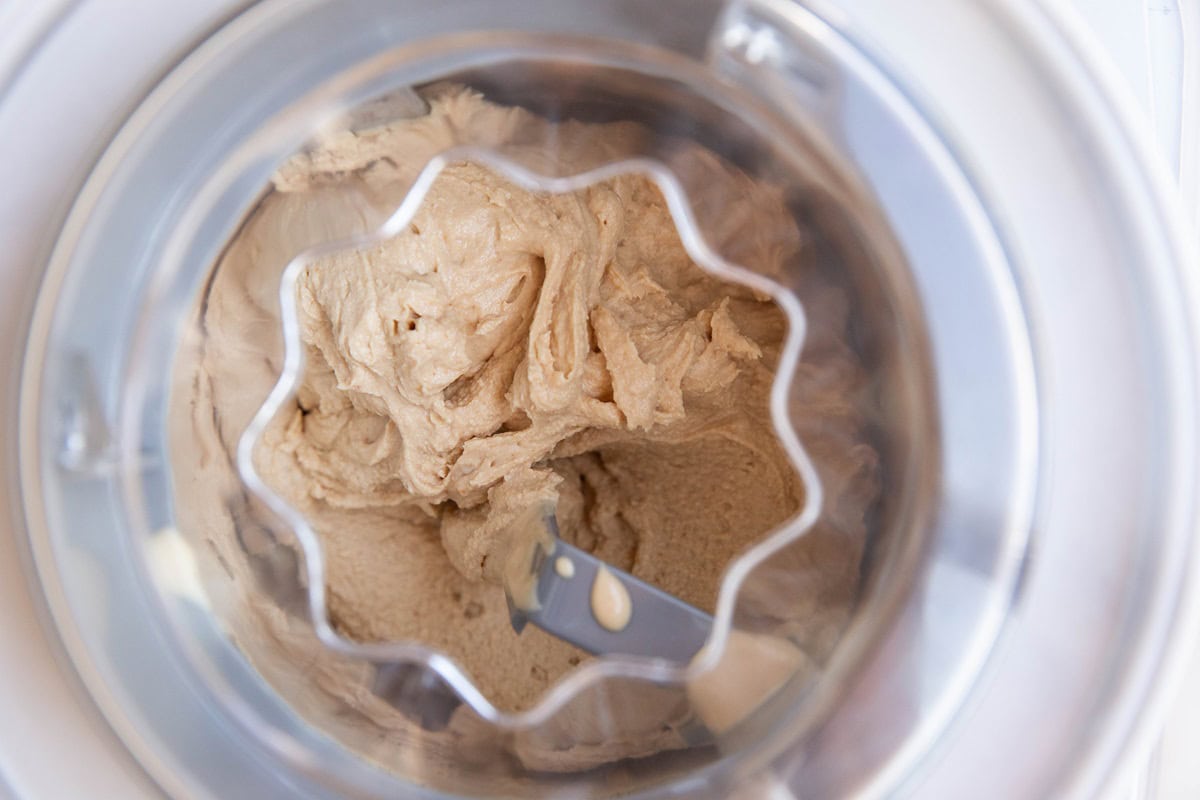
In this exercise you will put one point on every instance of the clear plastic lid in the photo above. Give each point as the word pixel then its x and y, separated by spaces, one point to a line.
pixel 533 279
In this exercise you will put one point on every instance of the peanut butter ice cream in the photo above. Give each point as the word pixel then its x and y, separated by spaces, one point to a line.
pixel 511 348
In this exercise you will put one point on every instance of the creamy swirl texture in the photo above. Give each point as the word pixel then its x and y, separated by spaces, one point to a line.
pixel 512 348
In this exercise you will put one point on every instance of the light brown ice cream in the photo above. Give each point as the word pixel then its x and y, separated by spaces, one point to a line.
pixel 512 348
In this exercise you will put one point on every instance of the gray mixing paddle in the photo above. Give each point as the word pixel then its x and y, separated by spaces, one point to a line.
pixel 659 624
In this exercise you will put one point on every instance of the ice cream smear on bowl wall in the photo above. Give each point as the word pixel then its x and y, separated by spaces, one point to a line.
pixel 511 352
pixel 750 670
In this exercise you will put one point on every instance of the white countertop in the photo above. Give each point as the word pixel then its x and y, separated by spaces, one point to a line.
pixel 1155 45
